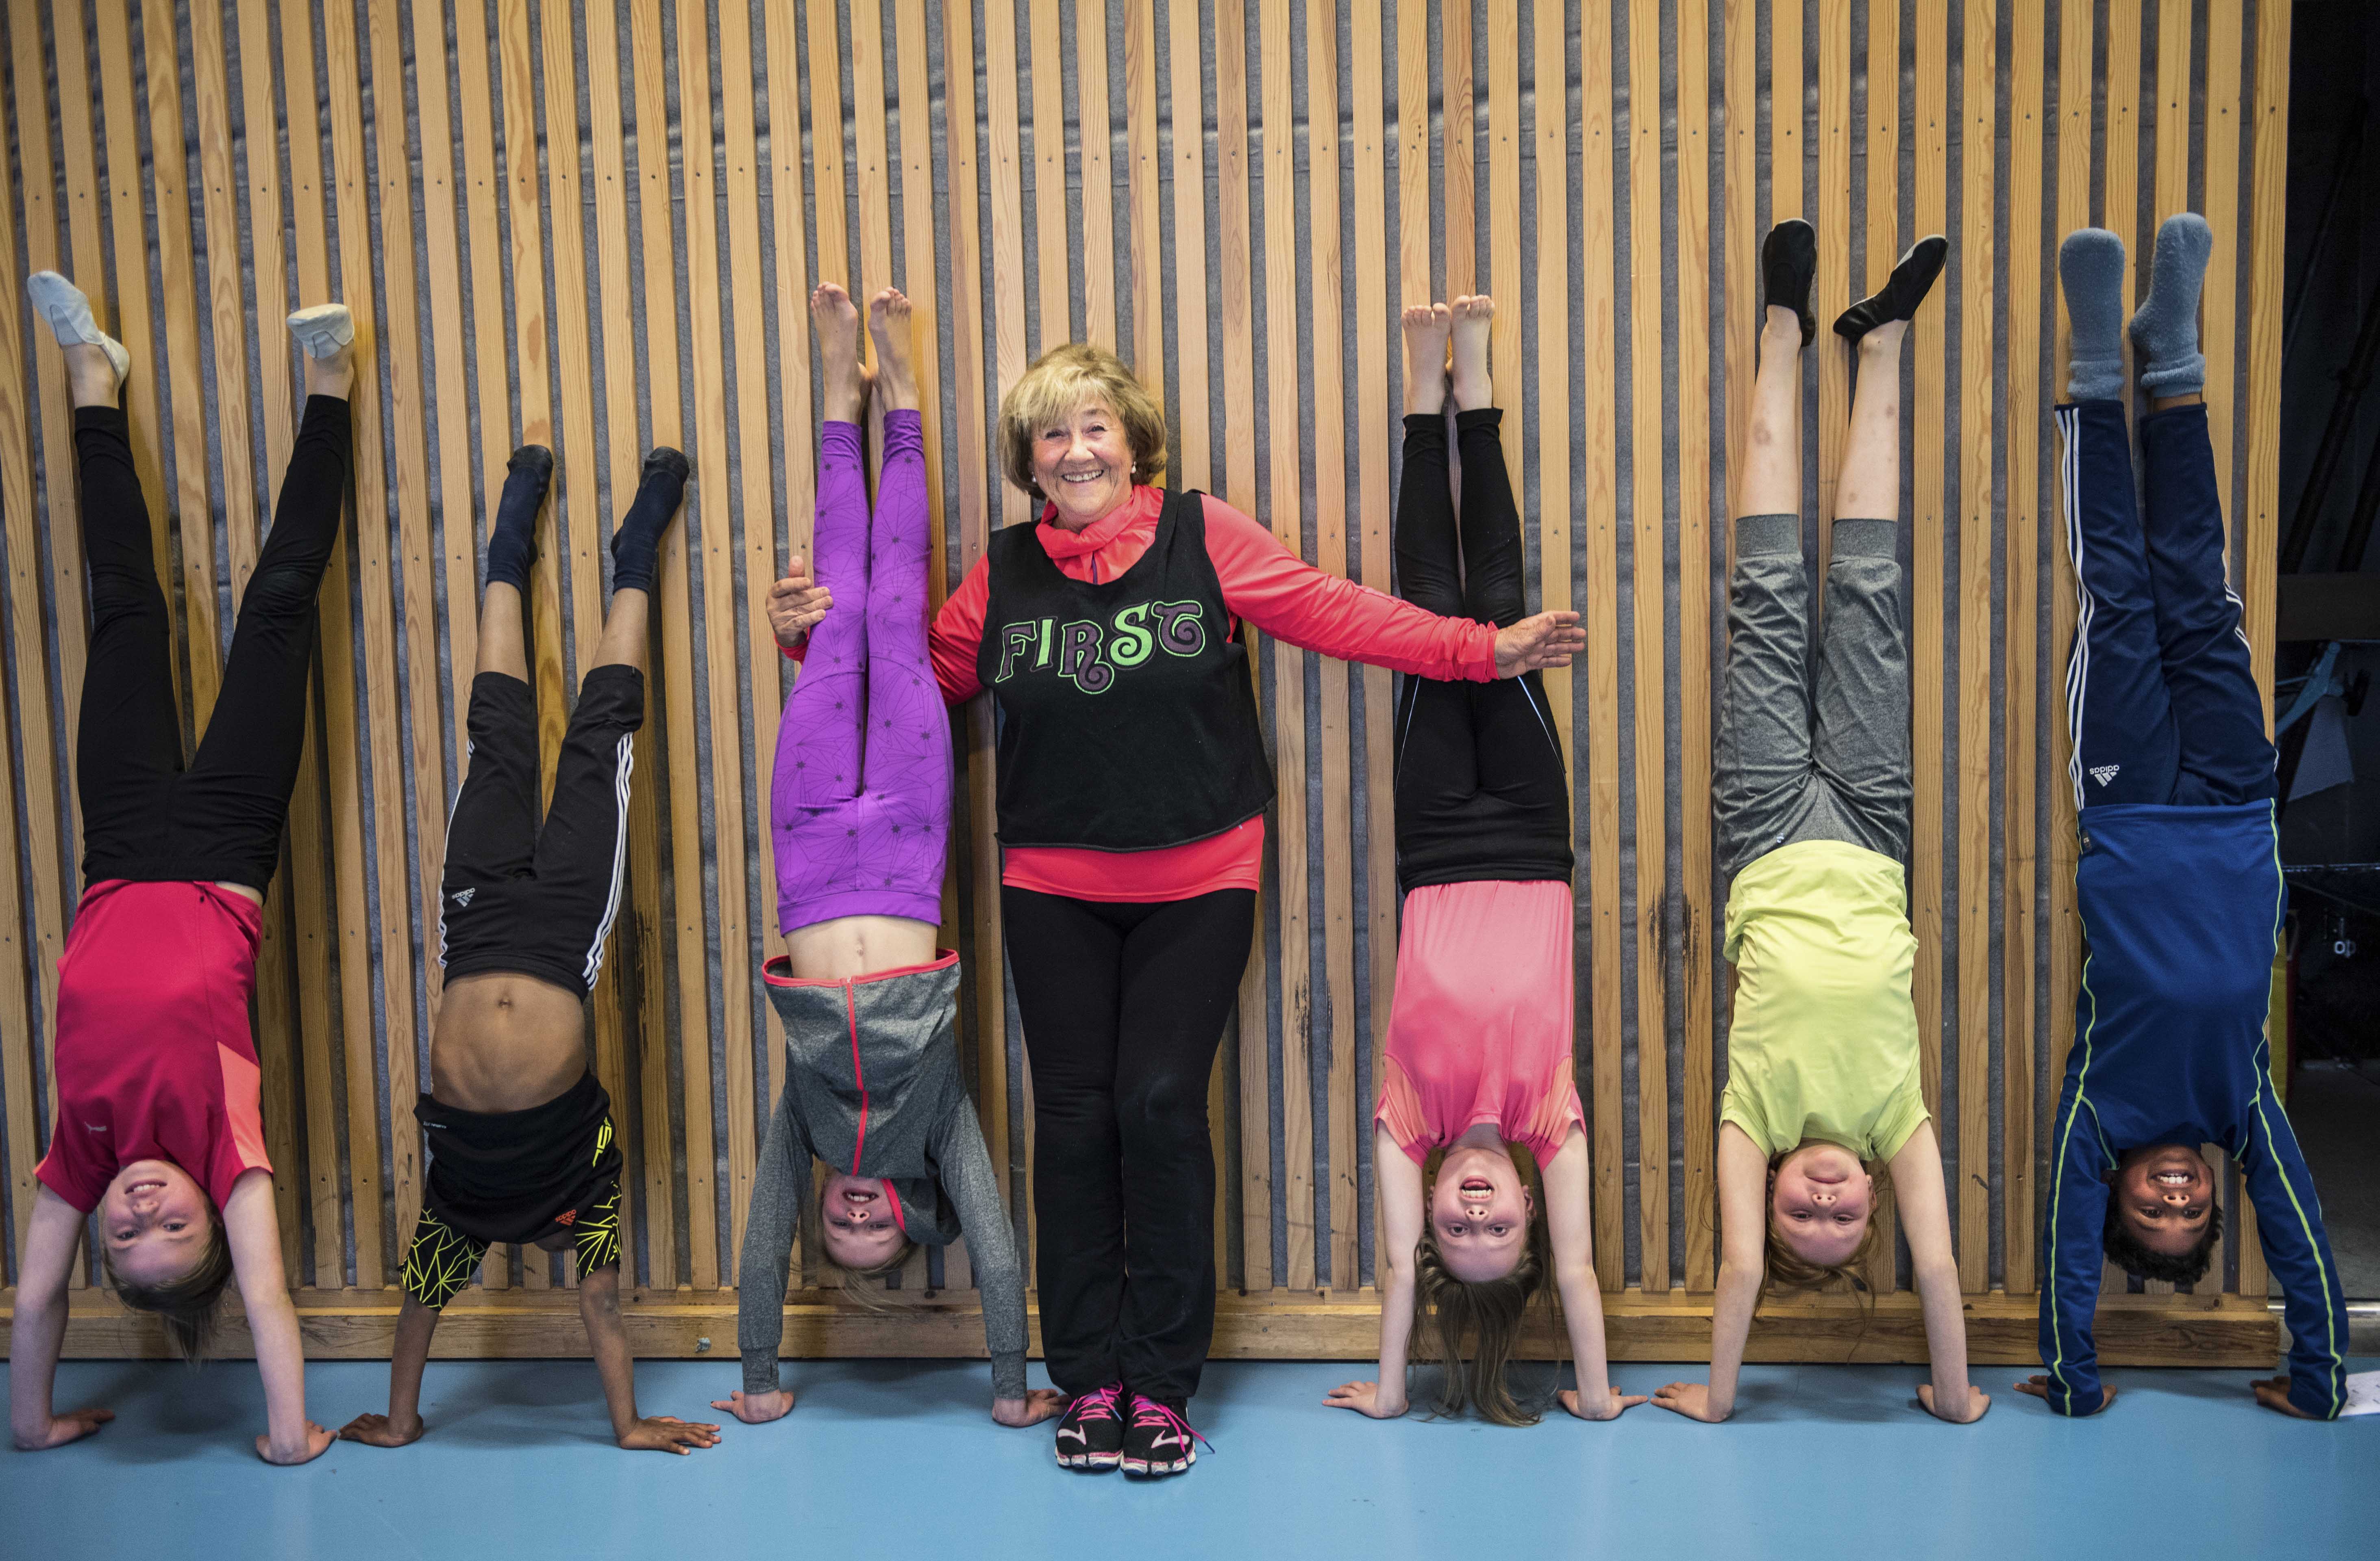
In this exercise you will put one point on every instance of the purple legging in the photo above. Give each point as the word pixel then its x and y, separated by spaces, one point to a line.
pixel 861 823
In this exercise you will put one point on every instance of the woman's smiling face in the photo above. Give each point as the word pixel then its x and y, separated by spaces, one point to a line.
pixel 1084 463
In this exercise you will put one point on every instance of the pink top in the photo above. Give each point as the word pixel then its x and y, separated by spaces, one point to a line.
pixel 1480 1028
pixel 154 1059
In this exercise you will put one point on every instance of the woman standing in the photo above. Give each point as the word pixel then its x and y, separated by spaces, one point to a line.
pixel 1132 786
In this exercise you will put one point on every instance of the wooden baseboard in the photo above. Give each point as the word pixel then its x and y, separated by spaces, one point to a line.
pixel 2166 1330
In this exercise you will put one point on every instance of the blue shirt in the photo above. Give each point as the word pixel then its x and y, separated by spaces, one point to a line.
pixel 2181 914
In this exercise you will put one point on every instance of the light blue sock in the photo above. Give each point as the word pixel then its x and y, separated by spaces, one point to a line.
pixel 2090 267
pixel 2165 331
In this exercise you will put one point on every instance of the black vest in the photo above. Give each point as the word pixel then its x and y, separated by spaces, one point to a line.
pixel 1127 716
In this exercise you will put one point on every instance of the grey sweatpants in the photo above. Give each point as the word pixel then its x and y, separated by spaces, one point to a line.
pixel 1792 768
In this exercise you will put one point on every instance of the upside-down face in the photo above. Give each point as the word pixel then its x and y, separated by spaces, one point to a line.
pixel 156 1221
pixel 2165 1196
pixel 1479 1210
pixel 856 1216
pixel 1820 1198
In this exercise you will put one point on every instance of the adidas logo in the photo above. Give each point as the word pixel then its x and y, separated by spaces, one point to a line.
pixel 2105 772
pixel 462 897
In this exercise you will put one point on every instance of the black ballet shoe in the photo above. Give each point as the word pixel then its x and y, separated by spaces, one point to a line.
pixel 1789 263
pixel 534 461
pixel 1912 277
pixel 664 459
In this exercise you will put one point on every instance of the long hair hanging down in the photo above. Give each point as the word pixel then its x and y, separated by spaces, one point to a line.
pixel 1451 1313
pixel 186 1305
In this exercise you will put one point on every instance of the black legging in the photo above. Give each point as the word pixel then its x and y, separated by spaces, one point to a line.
pixel 143 816
pixel 1481 791
pixel 1123 1006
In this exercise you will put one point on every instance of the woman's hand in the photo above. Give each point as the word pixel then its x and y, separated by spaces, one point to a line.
pixel 317 1441
pixel 667 1434
pixel 1691 1399
pixel 72 1426
pixel 1366 1398
pixel 796 605
pixel 755 1409
pixel 1549 639
pixel 1977 1402
pixel 2273 1394
pixel 2037 1386
pixel 1609 1406
pixel 1037 1404
pixel 382 1430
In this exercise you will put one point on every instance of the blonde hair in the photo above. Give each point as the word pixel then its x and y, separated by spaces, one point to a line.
pixel 1062 382
pixel 1448 1311
pixel 187 1305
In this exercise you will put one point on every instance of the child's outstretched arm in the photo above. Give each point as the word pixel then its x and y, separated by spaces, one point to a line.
pixel 414 1324
pixel 1742 1263
pixel 1401 1217
pixel 1925 1218
pixel 2289 1219
pixel 974 1191
pixel 2072 1233
pixel 1572 1231
pixel 39 1331
pixel 599 1307
pixel 253 1229
pixel 780 1180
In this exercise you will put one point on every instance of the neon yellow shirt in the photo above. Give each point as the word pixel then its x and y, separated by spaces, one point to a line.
pixel 1824 1043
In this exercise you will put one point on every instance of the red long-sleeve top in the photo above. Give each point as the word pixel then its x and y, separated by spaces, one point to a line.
pixel 1269 586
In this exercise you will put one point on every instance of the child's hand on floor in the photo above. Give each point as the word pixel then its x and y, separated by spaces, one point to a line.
pixel 2038 1387
pixel 2273 1394
pixel 1612 1406
pixel 1366 1398
pixel 755 1409
pixel 72 1426
pixel 317 1441
pixel 796 605
pixel 1037 1404
pixel 1691 1399
pixel 380 1430
pixel 1977 1402
pixel 667 1434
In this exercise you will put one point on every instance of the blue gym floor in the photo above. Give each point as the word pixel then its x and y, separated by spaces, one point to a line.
pixel 884 1458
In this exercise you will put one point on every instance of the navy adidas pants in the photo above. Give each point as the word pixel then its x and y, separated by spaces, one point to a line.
pixel 2159 693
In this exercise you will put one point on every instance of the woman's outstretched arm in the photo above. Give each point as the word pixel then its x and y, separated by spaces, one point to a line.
pixel 1742 1231
pixel 1400 1215
pixel 1570 1228
pixel 1925 1220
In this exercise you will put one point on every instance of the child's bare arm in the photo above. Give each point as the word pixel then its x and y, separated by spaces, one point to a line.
pixel 253 1229
pixel 1744 1233
pixel 599 1307
pixel 415 1325
pixel 1571 1229
pixel 51 1236
pixel 1400 1184
pixel 1925 1220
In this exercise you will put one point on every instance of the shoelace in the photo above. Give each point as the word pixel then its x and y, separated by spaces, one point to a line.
pixel 1099 1405
pixel 1148 1411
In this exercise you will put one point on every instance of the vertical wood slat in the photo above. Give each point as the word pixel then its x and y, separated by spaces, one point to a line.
pixel 1144 180
pixel 1283 395
pixel 1698 1186
pixel 1930 353
pixel 1978 373
pixel 1050 238
pixel 1832 209
pixel 1457 121
pixel 1334 1052
pixel 1600 517
pixel 2020 554
pixel 1098 176
pixel 1648 506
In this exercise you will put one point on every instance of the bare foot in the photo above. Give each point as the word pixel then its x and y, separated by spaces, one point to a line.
pixel 836 320
pixel 888 326
pixel 1425 326
pixel 1473 388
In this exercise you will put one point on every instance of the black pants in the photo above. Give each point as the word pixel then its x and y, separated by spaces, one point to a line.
pixel 518 897
pixel 1481 791
pixel 145 816
pixel 1123 1006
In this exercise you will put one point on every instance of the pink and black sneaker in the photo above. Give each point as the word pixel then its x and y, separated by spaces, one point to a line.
pixel 1159 1441
pixel 1091 1433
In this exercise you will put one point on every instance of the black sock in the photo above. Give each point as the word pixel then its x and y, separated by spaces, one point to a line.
pixel 637 545
pixel 512 541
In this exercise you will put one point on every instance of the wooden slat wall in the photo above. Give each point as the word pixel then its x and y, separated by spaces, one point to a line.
pixel 1579 157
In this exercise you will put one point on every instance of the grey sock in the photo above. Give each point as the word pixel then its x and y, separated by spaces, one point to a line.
pixel 2090 267
pixel 2165 331
pixel 1768 534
